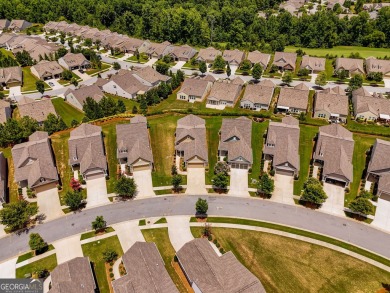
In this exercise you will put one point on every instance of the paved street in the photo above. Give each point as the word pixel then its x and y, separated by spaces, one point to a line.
pixel 296 216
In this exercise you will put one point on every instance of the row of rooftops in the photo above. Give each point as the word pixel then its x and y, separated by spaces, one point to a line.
pixel 15 25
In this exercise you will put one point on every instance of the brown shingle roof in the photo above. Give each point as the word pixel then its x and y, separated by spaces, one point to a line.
pixel 258 57
pixel 376 105
pixel 208 54
pixel 126 80
pixel 377 65
pixel 349 64
pixel 267 82
pixel 82 93
pixel 313 63
pixel 284 58
pixel 5 111
pixel 332 103
pixel 45 67
pixel 194 87
pixel 38 110
pixel 380 157
pixel 233 55
pixel 150 75
pixel 293 98
pixel 225 91
pixel 145 271
pixel 258 94
pixel 185 51
pixel 11 74
pixel 73 60
pixel 216 274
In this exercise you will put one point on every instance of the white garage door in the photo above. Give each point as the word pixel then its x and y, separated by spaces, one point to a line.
pixel 239 166
pixel 195 165
pixel 285 172
pixel 141 168
pixel 95 176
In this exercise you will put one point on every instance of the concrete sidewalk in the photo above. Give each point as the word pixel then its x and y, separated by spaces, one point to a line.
pixel 128 233
pixel 179 231
pixel 68 248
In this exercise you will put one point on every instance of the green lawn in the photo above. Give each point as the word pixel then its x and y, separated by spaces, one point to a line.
pixel 7 53
pixel 342 50
pixel 307 133
pixel 29 81
pixel 142 59
pixel 47 263
pixel 93 71
pixel 67 111
pixel 129 103
pixel 31 254
pixel 287 265
pixel 161 221
pixel 258 130
pixel 213 125
pixel 93 233
pixel 367 128
pixel 94 251
pixel 329 69
pixel 161 239
pixel 12 185
pixel 190 66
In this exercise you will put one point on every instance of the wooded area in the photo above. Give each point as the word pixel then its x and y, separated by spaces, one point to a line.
pixel 197 22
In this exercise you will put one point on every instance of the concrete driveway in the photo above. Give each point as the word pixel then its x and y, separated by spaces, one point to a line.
pixel 8 268
pixel 284 189
pixel 143 179
pixel 179 65
pixel 83 76
pixel 196 183
pixel 49 201
pixel 68 248
pixel 97 192
pixel 56 85
pixel 233 68
pixel 179 231
pixel 387 82
pixel 334 204
pixel 238 182
pixel 382 215
pixel 150 62
pixel 128 233
pixel 15 91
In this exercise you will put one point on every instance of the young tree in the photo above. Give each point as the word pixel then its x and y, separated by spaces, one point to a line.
pixel 108 106
pixel 365 194
pixel 202 67
pixel 228 70
pixel 120 107
pixel 246 65
pixel 116 66
pixel 201 206
pixel 355 82
pixel 361 206
pixel 342 74
pixel 99 223
pixel 75 184
pixel 265 185
pixel 173 170
pixel 221 167
pixel 176 182
pixel 62 51
pixel 53 124
pixel 134 110
pixel 220 181
pixel 74 81
pixel 74 200
pixel 67 75
pixel 37 243
pixel 321 79
pixel 375 76
pixel 162 68
pixel 287 77
pixel 92 109
pixel 219 63
pixel 136 54
pixel 313 192
pixel 88 43
pixel 16 215
pixel 125 187
pixel 40 85
pixel 110 255
pixel 257 71
pixel 303 72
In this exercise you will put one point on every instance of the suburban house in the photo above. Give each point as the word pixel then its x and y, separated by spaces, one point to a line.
pixel 207 272
pixel 5 38
pixel 125 84
pixel 157 50
pixel 3 178
pixel 47 70
pixel 74 275
pixel 368 107
pixel 86 151
pixel 182 53
pixel 378 170
pixel 148 76
pixel 378 65
pixel 292 6
pixel 334 90
pixel 18 25
pixel 233 57
pixel 235 142
pixel 38 110
pixel 375 6
pixel 282 146
pixel 330 106
pixel 73 61
pixel 191 142
pixel 258 57
pixel 36 47
pixel 11 76
pixel 194 90
pixel 208 55
pixel 293 100
pixel 133 145
pixel 267 82
pixel 77 97
pixel 224 93
pixel 4 24
pixel 34 162
pixel 145 271
pixel 334 152
pixel 5 111
pixel 353 66
pixel 314 64
pixel 238 80
pixel 332 3
pixel 257 97
pixel 285 61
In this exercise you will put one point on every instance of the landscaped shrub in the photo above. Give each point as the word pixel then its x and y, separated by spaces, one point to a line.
pixel 111 275
pixel 221 250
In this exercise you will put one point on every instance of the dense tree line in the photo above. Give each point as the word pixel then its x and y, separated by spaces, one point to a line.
pixel 200 22
pixel 104 108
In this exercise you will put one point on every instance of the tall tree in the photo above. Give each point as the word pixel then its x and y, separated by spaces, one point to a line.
pixel 40 85
pixel 257 71
pixel 99 224
pixel 37 243
pixel 16 215
pixel 125 187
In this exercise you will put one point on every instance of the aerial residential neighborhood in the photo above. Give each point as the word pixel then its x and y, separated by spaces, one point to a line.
pixel 217 147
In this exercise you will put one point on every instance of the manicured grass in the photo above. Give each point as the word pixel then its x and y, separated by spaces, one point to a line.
pixel 97 70
pixel 288 265
pixel 162 134
pixel 47 263
pixel 129 103
pixel 142 222
pixel 161 239
pixel 12 185
pixel 342 50
pixel 93 233
pixel 190 66
pixel 368 128
pixel 323 238
pixel 31 254
pixel 29 81
pixel 258 130
pixel 94 251
pixel 7 53
pixel 329 69
pixel 142 59
pixel 161 221
pixel 67 112
pixel 307 134
pixel 213 125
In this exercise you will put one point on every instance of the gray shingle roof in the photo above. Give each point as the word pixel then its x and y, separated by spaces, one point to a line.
pixel 236 138
pixel 313 63
pixel 225 91
pixel 5 111
pixel 86 148
pixel 38 110
pixel 285 138
pixel 293 98
pixel 349 64
pixel 133 141
pixel 384 183
pixel 216 274
pixel 332 103
pixel 11 74
pixel 258 94
pixel 73 276
pixel 258 57
pixel 336 144
pixel 73 60
pixel 194 87
pixel 145 270
pixel 34 160
pixel 380 156
pixel 82 93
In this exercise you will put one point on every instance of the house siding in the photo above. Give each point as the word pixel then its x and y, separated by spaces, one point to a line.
pixel 71 99
pixel 112 88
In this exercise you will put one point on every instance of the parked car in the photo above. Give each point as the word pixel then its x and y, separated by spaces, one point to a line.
pixel 46 97
pixel 51 84
pixel 81 70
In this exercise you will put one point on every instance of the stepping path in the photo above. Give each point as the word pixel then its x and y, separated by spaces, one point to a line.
pixel 68 248
pixel 179 231
pixel 7 268
pixel 128 233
